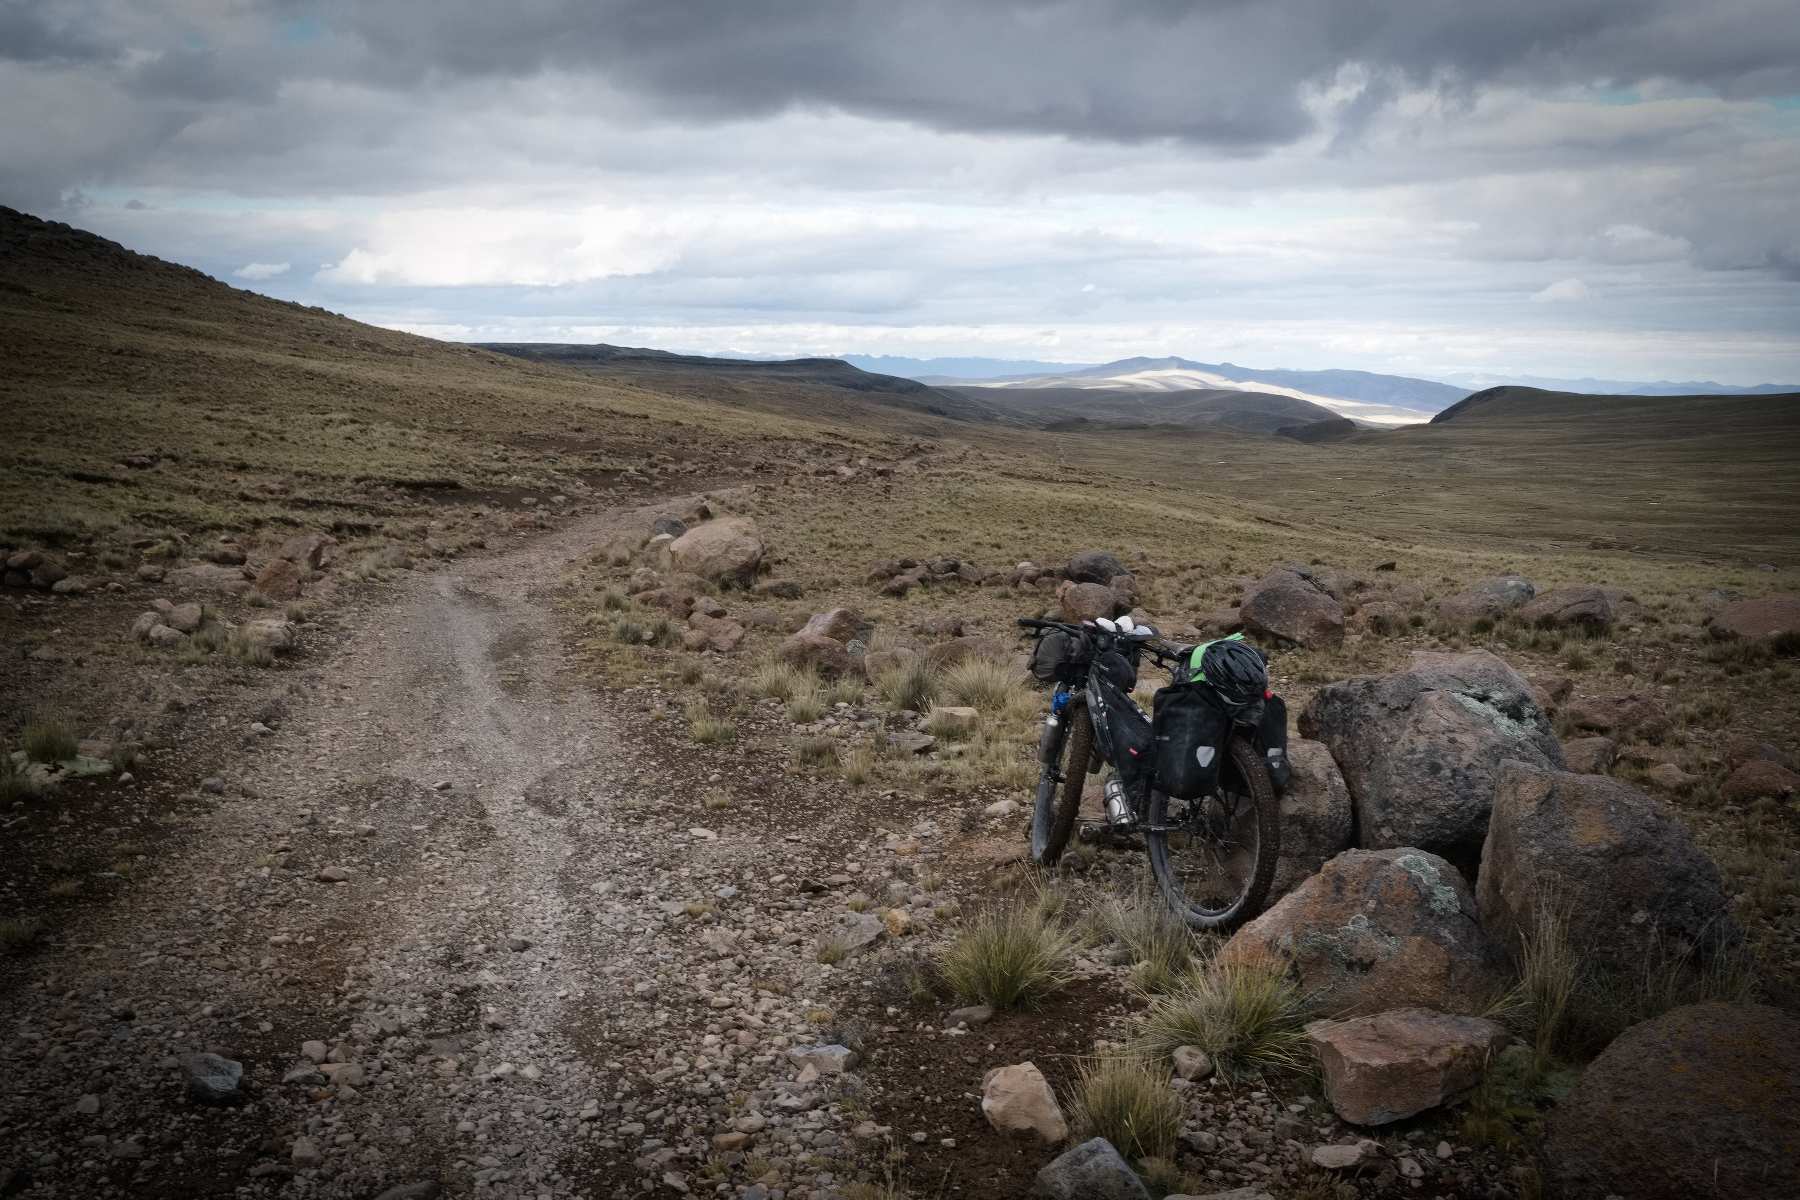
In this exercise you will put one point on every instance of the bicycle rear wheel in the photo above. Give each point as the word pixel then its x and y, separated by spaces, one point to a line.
pixel 1053 815
pixel 1214 858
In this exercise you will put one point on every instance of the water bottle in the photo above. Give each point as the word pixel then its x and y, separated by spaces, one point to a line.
pixel 1118 808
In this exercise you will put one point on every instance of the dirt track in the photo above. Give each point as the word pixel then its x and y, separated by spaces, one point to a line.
pixel 546 984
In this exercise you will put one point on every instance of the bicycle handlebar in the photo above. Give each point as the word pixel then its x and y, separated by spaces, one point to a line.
pixel 1157 647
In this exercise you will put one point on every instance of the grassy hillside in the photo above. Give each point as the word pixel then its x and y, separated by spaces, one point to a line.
pixel 1102 408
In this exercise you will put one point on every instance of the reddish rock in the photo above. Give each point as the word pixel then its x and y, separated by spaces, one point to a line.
pixel 1770 616
pixel 1395 1064
pixel 1376 929
pixel 679 601
pixel 1619 865
pixel 714 633
pixel 1701 1101
pixel 1590 755
pixel 840 624
pixel 1086 601
pixel 281 579
pixel 1759 777
pixel 1291 607
pixel 828 656
pixel 1571 607
pixel 310 550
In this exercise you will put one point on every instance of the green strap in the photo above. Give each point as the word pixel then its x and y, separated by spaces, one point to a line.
pixel 1195 674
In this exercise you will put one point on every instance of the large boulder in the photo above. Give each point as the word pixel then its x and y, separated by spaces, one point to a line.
pixel 1080 602
pixel 1292 607
pixel 1018 1099
pixel 1489 599
pixel 312 550
pixel 1419 747
pixel 718 634
pixel 1589 608
pixel 828 656
pixel 1701 1101
pixel 840 624
pixel 1091 1171
pixel 1621 868
pixel 1392 1065
pixel 281 579
pixel 1094 566
pixel 724 551
pixel 1757 778
pixel 268 633
pixel 1379 929
pixel 1315 816
pixel 1768 617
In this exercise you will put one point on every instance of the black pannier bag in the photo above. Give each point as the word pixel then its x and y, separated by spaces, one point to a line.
pixel 1053 658
pixel 1120 727
pixel 1188 736
pixel 1272 738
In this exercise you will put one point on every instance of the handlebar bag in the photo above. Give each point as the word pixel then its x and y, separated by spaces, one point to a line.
pixel 1188 734
pixel 1054 656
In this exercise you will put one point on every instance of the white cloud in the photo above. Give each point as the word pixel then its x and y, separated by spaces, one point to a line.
pixel 1561 292
pixel 262 270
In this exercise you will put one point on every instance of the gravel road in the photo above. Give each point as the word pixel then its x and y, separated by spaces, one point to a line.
pixel 460 937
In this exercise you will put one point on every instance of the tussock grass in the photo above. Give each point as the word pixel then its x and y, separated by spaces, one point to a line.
pixel 692 672
pixel 857 765
pixel 982 683
pixel 49 739
pixel 777 680
pixel 705 728
pixel 614 599
pixel 628 631
pixel 911 686
pixel 1128 1102
pixel 947 728
pixel 15 786
pixel 1246 1014
pixel 845 690
pixel 1161 945
pixel 814 751
pixel 1008 957
pixel 19 934
pixel 806 704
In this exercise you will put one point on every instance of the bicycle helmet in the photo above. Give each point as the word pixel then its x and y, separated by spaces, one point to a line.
pixel 1235 669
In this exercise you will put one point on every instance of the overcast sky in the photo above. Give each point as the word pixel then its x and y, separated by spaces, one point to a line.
pixel 1434 187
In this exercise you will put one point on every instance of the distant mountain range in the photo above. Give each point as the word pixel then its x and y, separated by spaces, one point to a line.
pixel 1625 387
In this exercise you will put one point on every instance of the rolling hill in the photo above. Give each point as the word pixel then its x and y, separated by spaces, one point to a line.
pixel 1093 408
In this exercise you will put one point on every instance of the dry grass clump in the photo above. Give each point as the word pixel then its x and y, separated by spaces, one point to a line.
pixel 705 728
pixel 778 680
pixel 49 739
pixel 946 727
pixel 15 786
pixel 1008 957
pixel 912 686
pixel 982 683
pixel 857 765
pixel 806 704
pixel 1161 945
pixel 814 751
pixel 1246 1014
pixel 845 690
pixel 613 599
pixel 19 934
pixel 1128 1102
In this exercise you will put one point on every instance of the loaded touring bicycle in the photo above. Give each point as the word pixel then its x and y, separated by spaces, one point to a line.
pixel 1198 777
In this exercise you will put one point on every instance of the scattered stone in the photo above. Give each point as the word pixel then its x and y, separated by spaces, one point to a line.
pixel 212 1079
pixel 88 1105
pixel 1337 1158
pixel 185 617
pixel 974 1014
pixel 955 719
pixel 1701 1101
pixel 1387 1067
pixel 425 1189
pixel 831 1059
pixel 1419 747
pixel 1768 617
pixel 1290 605
pixel 1570 607
pixel 1091 1171
pixel 1089 566
pixel 314 1051
pixel 728 550
pixel 1671 778
pixel 1192 1063
pixel 281 579
pixel 311 550
pixel 1489 599
pixel 1760 777
pixel 852 931
pixel 1621 866
pixel 1590 755
pixel 910 741
pixel 305 1153
pixel 163 635
pixel 333 875
pixel 1376 929
pixel 828 656
pixel 1018 1099
pixel 269 633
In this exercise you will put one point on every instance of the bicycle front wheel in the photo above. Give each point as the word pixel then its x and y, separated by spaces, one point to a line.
pixel 1214 858
pixel 1053 815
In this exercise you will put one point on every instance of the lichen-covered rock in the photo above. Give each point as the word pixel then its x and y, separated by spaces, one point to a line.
pixel 1315 816
pixel 1767 617
pixel 1701 1101
pixel 1419 748
pixel 1621 868
pixel 1392 1065
pixel 1379 929
pixel 1289 605
pixel 1091 1171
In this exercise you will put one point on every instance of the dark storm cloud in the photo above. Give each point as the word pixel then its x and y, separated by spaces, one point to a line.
pixel 1225 73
